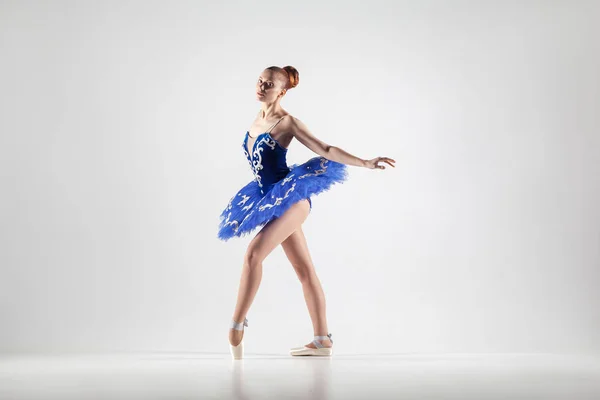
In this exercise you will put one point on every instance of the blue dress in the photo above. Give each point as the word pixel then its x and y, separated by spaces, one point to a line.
pixel 275 186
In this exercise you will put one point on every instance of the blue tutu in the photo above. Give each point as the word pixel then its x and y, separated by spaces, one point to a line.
pixel 275 186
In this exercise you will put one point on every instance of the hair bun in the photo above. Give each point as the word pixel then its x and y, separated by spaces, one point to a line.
pixel 293 75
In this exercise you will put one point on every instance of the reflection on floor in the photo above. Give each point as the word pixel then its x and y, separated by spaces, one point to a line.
pixel 372 377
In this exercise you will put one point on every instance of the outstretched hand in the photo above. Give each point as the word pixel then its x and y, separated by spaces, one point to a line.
pixel 373 164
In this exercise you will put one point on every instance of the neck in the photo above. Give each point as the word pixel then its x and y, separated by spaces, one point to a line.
pixel 270 109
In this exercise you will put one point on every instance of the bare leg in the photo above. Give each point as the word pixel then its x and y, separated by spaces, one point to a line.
pixel 296 250
pixel 270 236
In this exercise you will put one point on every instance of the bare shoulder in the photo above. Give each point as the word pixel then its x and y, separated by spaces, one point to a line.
pixel 297 129
pixel 294 125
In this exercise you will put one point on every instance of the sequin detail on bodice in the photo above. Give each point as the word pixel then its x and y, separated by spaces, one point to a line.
pixel 267 160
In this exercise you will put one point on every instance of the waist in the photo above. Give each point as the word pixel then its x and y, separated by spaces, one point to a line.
pixel 270 178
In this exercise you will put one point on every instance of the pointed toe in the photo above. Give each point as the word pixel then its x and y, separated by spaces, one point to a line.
pixel 237 351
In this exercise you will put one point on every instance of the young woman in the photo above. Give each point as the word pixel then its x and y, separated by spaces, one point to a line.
pixel 278 200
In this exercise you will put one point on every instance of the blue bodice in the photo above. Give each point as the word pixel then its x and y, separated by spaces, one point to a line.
pixel 267 160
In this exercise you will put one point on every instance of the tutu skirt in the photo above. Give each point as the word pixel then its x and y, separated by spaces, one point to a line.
pixel 249 209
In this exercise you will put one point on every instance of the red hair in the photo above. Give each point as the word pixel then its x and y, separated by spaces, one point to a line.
pixel 290 73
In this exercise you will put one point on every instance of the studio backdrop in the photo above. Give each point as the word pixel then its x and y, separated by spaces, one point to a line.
pixel 120 143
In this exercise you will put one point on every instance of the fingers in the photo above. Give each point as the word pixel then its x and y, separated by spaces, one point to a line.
pixel 386 160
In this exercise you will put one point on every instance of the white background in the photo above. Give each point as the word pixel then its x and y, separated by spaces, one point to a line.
pixel 120 143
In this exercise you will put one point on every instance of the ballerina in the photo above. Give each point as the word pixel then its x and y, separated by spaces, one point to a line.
pixel 278 199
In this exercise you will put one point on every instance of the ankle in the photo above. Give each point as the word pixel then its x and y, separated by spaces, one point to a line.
pixel 323 337
pixel 238 325
pixel 323 340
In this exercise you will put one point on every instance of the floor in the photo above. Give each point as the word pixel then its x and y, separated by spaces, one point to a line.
pixel 373 377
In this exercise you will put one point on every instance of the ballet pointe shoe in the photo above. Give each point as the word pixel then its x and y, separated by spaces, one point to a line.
pixel 238 351
pixel 309 351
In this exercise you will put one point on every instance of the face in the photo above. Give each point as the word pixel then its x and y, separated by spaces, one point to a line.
pixel 269 85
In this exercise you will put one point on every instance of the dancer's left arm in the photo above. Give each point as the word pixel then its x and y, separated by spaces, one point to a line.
pixel 333 153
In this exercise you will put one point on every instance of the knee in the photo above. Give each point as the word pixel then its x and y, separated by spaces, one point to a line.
pixel 305 274
pixel 252 258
